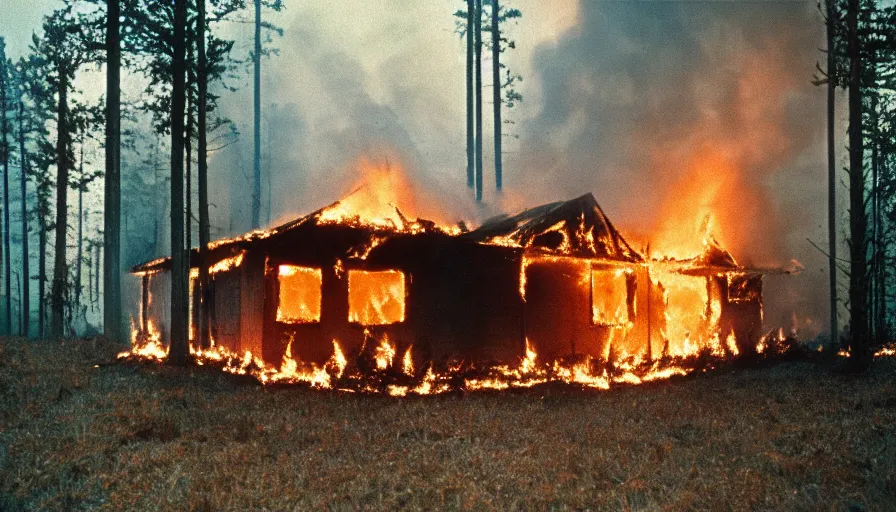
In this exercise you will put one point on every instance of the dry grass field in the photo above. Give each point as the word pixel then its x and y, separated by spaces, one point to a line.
pixel 788 436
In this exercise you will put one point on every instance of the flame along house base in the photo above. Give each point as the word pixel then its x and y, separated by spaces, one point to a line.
pixel 559 276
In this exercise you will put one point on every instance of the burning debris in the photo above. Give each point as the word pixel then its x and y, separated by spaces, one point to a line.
pixel 359 297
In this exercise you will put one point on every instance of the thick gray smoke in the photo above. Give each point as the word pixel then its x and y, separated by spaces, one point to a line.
pixel 674 111
pixel 668 112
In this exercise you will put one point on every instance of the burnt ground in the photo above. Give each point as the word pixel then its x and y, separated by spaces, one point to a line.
pixel 789 436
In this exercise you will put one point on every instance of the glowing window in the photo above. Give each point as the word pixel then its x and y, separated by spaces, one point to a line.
pixel 375 298
pixel 609 297
pixel 300 294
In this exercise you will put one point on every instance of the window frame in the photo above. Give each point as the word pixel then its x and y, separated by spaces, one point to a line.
pixel 629 282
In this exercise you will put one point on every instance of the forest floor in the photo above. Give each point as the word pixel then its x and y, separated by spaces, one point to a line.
pixel 81 431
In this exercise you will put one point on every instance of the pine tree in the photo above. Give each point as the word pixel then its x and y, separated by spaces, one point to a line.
pixel 5 105
pixel 502 92
pixel 66 45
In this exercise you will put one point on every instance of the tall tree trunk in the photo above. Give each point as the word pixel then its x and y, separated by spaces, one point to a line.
pixel 188 208
pixel 4 155
pixel 26 276
pixel 188 143
pixel 478 64
pixel 496 93
pixel 179 350
pixel 156 228
pixel 471 146
pixel 60 267
pixel 7 264
pixel 42 276
pixel 860 355
pixel 112 324
pixel 98 249
pixel 90 256
pixel 202 83
pixel 80 229
pixel 832 174
pixel 876 308
pixel 256 160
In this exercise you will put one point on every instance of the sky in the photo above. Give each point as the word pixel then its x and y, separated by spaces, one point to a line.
pixel 671 112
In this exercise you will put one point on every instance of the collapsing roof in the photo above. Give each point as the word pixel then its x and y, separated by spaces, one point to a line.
pixel 574 228
pixel 577 227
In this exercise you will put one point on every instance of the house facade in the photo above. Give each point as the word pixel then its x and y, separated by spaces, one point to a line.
pixel 559 277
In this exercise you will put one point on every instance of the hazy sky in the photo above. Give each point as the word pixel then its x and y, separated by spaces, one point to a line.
pixel 667 111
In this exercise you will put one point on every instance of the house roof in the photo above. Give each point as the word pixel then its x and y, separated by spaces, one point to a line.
pixel 324 217
pixel 577 227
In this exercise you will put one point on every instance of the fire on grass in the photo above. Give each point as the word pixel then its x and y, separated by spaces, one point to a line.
pixel 395 374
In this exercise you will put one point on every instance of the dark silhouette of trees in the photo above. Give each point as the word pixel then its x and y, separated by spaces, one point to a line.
pixel 5 105
pixel 39 111
pixel 862 60
pixel 66 45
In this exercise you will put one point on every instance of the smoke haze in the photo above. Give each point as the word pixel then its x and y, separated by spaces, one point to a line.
pixel 670 113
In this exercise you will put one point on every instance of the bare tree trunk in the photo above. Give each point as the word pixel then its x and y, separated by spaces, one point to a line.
pixel 188 209
pixel 26 276
pixel 876 308
pixel 496 94
pixel 471 146
pixel 42 276
pixel 60 267
pixel 188 144
pixel 202 153
pixel 860 356
pixel 4 154
pixel 179 349
pixel 478 25
pixel 112 324
pixel 90 257
pixel 80 228
pixel 256 160
pixel 157 232
pixel 96 274
pixel 832 174
pixel 7 264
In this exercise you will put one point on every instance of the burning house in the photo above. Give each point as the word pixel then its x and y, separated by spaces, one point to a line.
pixel 558 280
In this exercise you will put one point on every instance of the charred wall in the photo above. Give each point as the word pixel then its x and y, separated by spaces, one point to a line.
pixel 463 298
pixel 558 317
